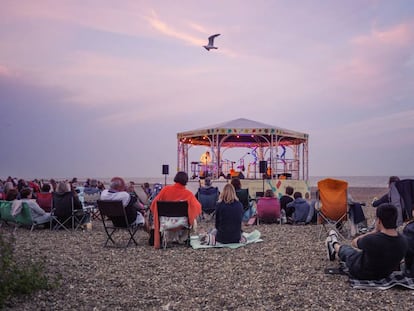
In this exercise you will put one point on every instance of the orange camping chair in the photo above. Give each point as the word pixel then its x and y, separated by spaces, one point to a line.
pixel 332 205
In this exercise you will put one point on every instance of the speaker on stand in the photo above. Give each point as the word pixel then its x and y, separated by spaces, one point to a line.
pixel 165 170
pixel 262 170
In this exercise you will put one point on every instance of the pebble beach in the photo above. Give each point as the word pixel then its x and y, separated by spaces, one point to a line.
pixel 285 271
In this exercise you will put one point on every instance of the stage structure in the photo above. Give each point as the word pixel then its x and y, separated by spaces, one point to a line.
pixel 282 153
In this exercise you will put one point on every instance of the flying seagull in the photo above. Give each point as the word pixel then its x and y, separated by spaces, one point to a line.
pixel 210 44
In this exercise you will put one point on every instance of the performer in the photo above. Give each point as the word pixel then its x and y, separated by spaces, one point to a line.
pixel 205 160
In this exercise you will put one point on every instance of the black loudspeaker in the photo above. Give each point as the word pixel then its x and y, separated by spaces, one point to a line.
pixel 262 167
pixel 165 169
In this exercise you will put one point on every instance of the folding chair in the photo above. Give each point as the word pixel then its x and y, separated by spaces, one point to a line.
pixel 90 204
pixel 405 188
pixel 114 218
pixel 268 210
pixel 243 196
pixel 44 199
pixel 63 213
pixel 208 198
pixel 332 205
pixel 24 218
pixel 172 216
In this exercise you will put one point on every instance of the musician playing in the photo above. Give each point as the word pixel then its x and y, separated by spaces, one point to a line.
pixel 205 160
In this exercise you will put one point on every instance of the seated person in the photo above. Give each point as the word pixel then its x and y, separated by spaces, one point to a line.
pixel 208 195
pixel 229 213
pixel 268 207
pixel 374 255
pixel 135 198
pixel 12 194
pixel 244 198
pixel 409 256
pixel 147 189
pixel 39 216
pixel 45 188
pixel 386 197
pixel 356 215
pixel 284 200
pixel 62 203
pixel 176 192
pixel 92 187
pixel 117 192
pixel 313 215
pixel 300 208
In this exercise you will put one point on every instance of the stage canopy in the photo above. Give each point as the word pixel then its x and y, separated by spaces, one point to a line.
pixel 251 134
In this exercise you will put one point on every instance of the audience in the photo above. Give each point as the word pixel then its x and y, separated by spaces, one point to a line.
pixel 45 188
pixel 284 200
pixel 117 192
pixel 244 198
pixel 386 197
pixel 39 216
pixel 147 189
pixel 374 255
pixel 176 192
pixel 300 208
pixel 409 256
pixel 268 208
pixel 229 213
pixel 91 187
pixel 12 194
pixel 63 198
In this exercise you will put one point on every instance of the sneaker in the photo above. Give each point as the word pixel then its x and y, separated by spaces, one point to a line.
pixel 334 236
pixel 331 250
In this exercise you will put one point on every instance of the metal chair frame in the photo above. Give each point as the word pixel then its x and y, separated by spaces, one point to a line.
pixel 111 210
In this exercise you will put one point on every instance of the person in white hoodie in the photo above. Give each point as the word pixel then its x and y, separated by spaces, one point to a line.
pixel 39 216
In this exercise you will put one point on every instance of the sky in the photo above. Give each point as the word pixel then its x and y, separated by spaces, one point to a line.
pixel 101 88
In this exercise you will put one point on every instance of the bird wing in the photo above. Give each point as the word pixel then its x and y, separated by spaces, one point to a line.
pixel 211 39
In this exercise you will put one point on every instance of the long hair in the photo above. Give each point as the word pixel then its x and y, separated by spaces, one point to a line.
pixel 228 195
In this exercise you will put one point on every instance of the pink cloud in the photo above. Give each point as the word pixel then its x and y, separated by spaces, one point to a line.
pixel 376 60
pixel 398 36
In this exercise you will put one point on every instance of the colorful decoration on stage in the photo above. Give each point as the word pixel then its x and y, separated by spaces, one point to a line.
pixel 283 155
pixel 254 154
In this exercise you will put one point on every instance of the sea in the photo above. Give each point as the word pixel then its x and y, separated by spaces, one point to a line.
pixel 353 181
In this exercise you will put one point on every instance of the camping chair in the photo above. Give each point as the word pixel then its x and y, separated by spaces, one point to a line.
pixel 24 218
pixel 243 195
pixel 332 205
pixel 268 210
pixel 172 216
pixel 405 189
pixel 114 218
pixel 90 203
pixel 63 213
pixel 44 199
pixel 208 198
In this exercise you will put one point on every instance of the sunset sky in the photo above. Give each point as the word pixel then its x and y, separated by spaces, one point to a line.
pixel 101 88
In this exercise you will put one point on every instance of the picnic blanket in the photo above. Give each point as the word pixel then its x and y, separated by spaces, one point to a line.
pixel 397 278
pixel 252 237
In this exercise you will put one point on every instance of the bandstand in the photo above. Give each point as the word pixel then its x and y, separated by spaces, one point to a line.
pixel 283 152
